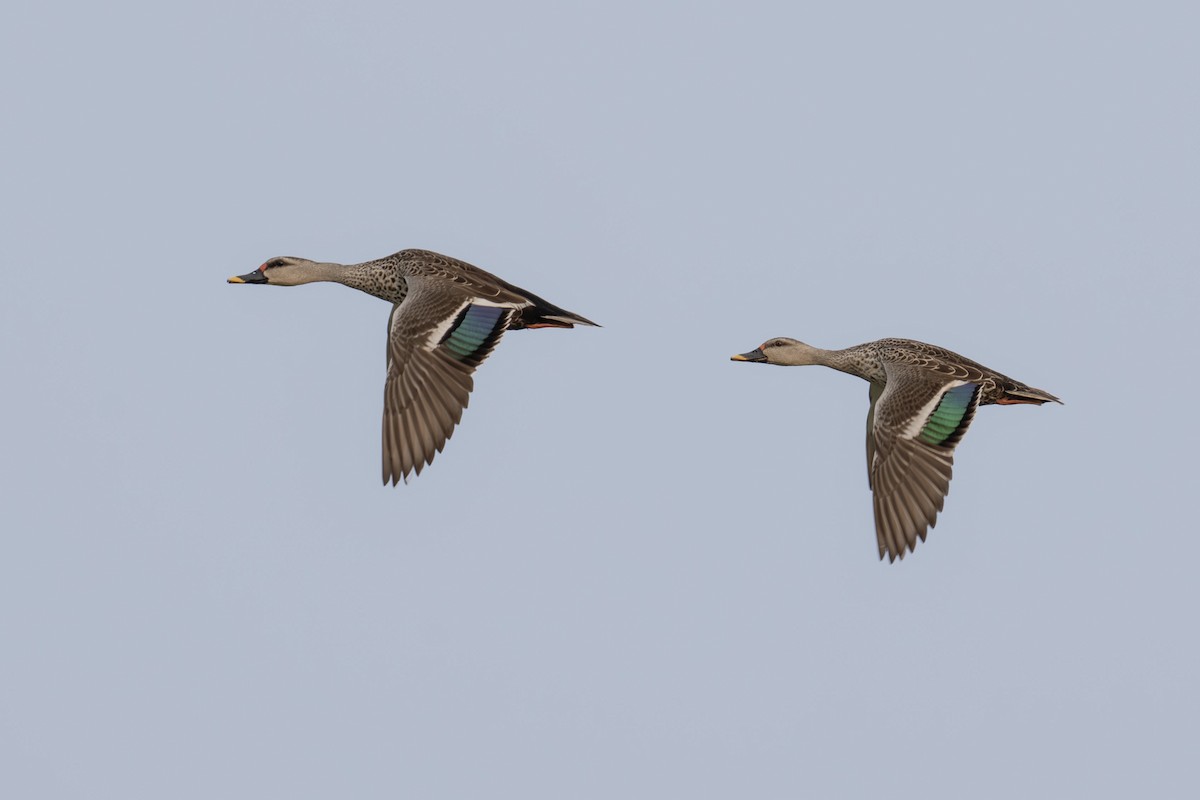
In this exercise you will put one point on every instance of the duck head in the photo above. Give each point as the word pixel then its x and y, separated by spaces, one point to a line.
pixel 782 351
pixel 283 271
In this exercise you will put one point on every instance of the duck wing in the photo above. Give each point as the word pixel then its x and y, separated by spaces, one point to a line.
pixel 915 424
pixel 532 311
pixel 461 276
pixel 437 338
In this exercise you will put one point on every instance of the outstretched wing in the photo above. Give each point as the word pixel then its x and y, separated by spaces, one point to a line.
pixel 436 339
pixel 916 424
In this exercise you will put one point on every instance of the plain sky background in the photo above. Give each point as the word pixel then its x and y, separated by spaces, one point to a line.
pixel 638 570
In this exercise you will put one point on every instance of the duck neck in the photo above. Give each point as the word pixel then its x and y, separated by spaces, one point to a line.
pixel 377 278
pixel 319 271
pixel 853 361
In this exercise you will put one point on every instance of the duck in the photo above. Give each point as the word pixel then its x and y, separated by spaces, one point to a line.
pixel 923 399
pixel 447 317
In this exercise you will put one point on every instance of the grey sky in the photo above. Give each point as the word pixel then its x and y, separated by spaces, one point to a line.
pixel 638 569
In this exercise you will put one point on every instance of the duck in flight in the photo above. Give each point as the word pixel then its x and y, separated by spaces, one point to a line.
pixel 923 398
pixel 447 317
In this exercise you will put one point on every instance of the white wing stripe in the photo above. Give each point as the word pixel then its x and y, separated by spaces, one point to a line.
pixel 918 420
pixel 443 327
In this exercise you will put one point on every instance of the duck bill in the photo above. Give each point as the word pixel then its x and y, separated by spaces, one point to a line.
pixel 250 277
pixel 753 355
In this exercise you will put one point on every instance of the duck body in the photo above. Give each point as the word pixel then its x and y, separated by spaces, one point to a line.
pixel 923 399
pixel 869 361
pixel 447 318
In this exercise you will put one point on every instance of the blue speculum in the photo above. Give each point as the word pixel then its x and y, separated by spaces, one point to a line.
pixel 474 327
pixel 948 416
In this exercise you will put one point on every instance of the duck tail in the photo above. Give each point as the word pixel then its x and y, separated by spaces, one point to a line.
pixel 540 314
pixel 1026 394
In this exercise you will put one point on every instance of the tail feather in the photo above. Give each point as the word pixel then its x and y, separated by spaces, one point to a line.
pixel 541 313
pixel 1027 394
pixel 545 315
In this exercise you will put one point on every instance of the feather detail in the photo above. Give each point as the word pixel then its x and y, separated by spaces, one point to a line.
pixel 475 332
pixel 945 425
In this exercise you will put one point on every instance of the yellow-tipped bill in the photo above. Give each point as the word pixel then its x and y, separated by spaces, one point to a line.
pixel 258 276
pixel 753 355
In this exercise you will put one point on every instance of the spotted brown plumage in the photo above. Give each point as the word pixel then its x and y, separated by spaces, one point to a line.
pixel 447 318
pixel 923 399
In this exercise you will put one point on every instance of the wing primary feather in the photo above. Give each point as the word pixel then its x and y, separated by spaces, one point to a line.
pixel 391 466
pixel 427 437
pixel 882 532
pixel 412 445
pixel 891 527
pixel 907 524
